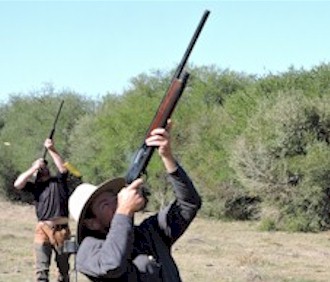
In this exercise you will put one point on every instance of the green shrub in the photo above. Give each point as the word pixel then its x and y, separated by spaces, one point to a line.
pixel 281 157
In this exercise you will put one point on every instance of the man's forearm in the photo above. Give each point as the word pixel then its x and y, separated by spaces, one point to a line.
pixel 57 160
pixel 170 164
pixel 174 219
pixel 23 178
pixel 108 258
pixel 184 188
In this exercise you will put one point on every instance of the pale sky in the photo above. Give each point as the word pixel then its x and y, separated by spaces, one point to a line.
pixel 95 47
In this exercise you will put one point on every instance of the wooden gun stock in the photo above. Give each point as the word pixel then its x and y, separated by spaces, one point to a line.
pixel 143 155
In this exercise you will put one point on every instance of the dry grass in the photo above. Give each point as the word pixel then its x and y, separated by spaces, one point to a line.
pixel 208 251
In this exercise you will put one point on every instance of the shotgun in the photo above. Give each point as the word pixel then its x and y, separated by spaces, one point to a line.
pixel 73 170
pixel 54 127
pixel 165 109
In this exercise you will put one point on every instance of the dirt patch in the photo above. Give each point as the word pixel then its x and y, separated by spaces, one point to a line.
pixel 209 251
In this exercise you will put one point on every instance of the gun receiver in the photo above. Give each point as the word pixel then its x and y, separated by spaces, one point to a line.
pixel 165 110
pixel 54 127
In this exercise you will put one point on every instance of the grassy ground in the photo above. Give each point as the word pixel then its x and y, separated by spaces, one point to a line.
pixel 209 251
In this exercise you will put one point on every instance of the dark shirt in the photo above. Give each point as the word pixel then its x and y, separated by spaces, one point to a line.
pixel 142 253
pixel 50 197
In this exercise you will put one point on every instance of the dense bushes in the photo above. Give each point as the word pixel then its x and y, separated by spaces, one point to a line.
pixel 283 157
pixel 257 148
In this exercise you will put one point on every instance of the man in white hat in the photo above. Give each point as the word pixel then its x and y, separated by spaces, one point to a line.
pixel 111 247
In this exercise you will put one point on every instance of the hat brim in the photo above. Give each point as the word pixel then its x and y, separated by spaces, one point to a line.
pixel 114 186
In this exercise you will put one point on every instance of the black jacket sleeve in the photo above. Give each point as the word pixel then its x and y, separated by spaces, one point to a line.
pixel 174 219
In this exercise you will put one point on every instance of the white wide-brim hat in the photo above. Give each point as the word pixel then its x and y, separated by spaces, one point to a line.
pixel 82 197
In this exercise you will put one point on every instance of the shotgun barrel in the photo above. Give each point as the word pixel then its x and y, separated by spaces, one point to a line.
pixel 54 127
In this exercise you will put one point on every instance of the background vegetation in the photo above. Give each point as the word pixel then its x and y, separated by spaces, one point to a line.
pixel 256 147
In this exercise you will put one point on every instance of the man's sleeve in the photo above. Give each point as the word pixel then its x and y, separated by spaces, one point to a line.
pixel 63 176
pixel 174 219
pixel 108 258
pixel 29 187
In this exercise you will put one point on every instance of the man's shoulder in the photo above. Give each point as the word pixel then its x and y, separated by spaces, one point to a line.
pixel 29 186
pixel 148 223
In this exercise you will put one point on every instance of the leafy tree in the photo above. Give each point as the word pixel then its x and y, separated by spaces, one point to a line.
pixel 256 147
pixel 115 131
pixel 272 158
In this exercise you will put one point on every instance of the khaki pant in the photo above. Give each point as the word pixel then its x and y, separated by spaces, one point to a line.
pixel 46 240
